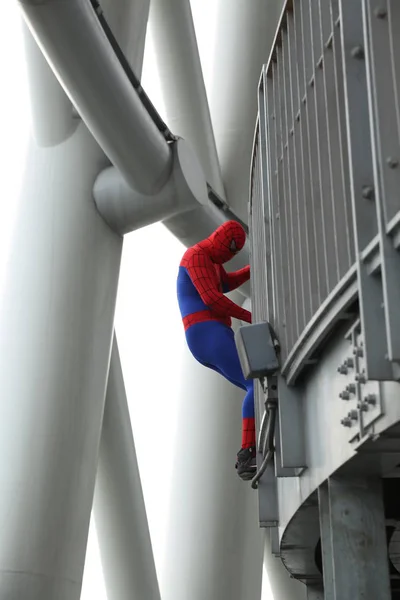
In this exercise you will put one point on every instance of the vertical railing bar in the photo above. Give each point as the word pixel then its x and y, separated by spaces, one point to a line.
pixel 328 248
pixel 333 145
pixel 305 170
pixel 266 192
pixel 291 190
pixel 343 154
pixel 325 24
pixel 283 203
pixel 312 150
pixel 334 11
pixel 285 207
pixel 299 240
pixel 280 200
pixel 274 192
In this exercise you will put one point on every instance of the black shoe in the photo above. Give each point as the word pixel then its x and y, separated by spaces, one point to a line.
pixel 246 463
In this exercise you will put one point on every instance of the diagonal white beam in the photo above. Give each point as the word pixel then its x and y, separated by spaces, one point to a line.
pixel 75 45
pixel 119 507
pixel 183 90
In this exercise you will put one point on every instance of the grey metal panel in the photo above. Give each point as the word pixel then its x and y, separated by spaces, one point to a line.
pixel 356 507
pixel 267 496
pixel 336 308
pixel 304 175
pixel 327 445
pixel 383 94
pixel 328 248
pixel 362 180
pixel 386 159
pixel 279 470
pixel 394 25
pixel 326 540
pixel 256 350
pixel 291 425
pixel 274 535
pixel 315 196
pixel 315 592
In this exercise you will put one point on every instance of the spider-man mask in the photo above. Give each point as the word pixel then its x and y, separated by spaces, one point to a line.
pixel 225 242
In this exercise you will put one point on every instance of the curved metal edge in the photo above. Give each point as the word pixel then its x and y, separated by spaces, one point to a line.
pixel 299 541
pixel 329 313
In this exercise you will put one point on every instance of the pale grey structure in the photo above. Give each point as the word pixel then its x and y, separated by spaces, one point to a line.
pixel 320 83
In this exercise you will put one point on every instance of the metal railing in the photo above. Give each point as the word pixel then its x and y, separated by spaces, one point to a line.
pixel 325 179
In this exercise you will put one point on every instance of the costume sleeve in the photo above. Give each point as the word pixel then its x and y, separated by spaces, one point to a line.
pixel 234 280
pixel 202 273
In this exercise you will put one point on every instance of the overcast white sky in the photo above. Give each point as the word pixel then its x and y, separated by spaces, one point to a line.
pixel 136 305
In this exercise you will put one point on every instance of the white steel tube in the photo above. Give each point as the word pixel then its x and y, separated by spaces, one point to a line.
pixel 77 49
pixel 52 110
pixel 181 77
pixel 56 326
pixel 126 210
pixel 119 508
pixel 244 35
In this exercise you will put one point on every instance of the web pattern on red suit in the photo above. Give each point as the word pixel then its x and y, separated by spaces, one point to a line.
pixel 202 273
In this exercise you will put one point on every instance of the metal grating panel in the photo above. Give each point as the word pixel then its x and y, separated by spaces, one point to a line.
pixel 326 178
pixel 311 225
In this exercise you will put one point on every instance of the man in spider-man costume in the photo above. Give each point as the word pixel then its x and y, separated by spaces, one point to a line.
pixel 206 314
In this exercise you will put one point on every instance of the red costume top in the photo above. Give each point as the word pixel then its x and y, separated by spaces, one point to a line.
pixel 202 280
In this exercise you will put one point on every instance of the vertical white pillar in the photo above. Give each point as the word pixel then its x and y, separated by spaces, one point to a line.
pixel 120 512
pixel 214 545
pixel 119 509
pixel 56 325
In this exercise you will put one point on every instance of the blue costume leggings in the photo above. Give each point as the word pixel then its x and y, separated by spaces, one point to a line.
pixel 213 345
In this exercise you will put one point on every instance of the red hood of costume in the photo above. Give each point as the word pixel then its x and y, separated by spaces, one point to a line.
pixel 225 242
